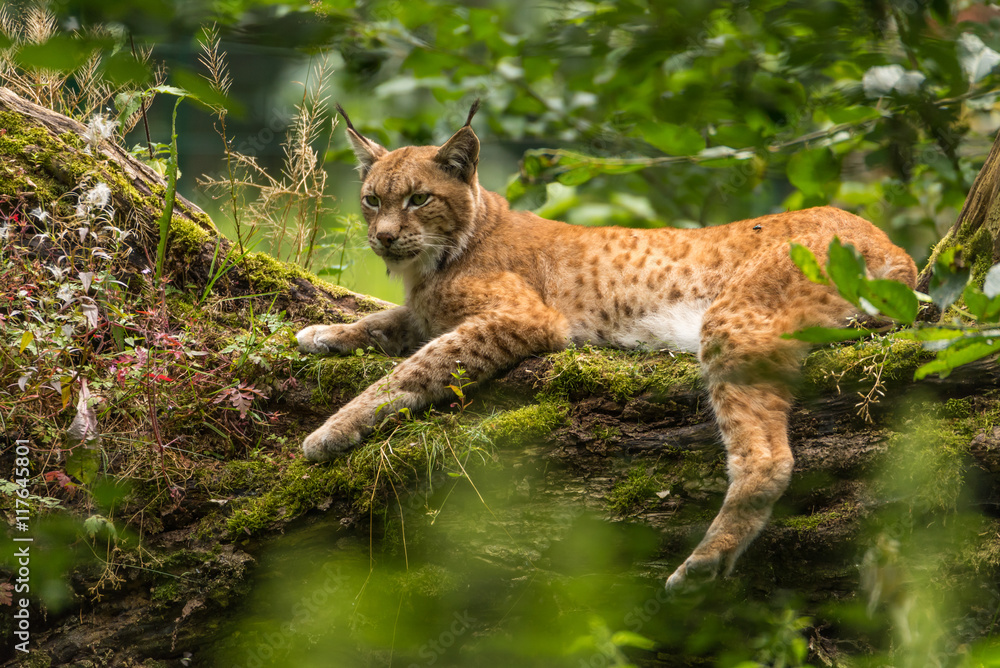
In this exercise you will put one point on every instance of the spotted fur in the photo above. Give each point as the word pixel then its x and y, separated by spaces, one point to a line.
pixel 488 286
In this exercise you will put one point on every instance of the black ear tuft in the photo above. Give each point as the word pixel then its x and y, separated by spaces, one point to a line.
pixel 472 112
pixel 343 114
pixel 366 151
pixel 460 155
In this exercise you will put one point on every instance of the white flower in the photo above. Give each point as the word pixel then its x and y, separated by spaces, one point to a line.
pixel 882 80
pixel 98 129
pixel 39 214
pixel 977 59
pixel 98 196
pixel 65 293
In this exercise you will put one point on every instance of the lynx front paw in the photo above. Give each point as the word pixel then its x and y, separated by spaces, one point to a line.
pixel 326 442
pixel 695 571
pixel 323 339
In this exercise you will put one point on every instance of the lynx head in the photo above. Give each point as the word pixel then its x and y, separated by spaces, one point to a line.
pixel 419 201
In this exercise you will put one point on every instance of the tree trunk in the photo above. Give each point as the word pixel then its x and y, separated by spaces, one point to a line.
pixel 977 229
pixel 625 437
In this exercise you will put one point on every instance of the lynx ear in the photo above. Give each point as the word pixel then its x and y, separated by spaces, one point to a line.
pixel 460 155
pixel 365 149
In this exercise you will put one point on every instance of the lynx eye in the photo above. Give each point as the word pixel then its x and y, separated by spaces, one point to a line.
pixel 371 200
pixel 419 199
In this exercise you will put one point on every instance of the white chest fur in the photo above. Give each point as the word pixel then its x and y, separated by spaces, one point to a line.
pixel 675 326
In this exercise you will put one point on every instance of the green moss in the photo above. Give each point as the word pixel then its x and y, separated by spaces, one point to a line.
pixel 284 492
pixel 892 359
pixel 980 248
pixel 186 237
pixel 958 408
pixel 12 122
pixel 925 464
pixel 605 433
pixel 35 659
pixel 26 147
pixel 268 274
pixel 165 593
pixel 814 520
pixel 985 552
pixel 431 581
pixel 529 424
pixel 622 375
pixel 631 492
pixel 337 377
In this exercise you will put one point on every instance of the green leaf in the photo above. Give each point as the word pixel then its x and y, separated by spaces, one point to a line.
pixel 201 90
pixel 853 114
pixel 26 340
pixel 827 334
pixel 83 464
pixel 673 139
pixel 991 285
pixel 975 301
pixel 846 269
pixel 630 639
pixel 949 279
pixel 929 334
pixel 62 53
pixel 515 188
pixel 94 524
pixel 962 352
pixel 811 170
pixel 122 69
pixel 575 176
pixel 170 90
pixel 127 104
pixel 806 261
pixel 531 164
pixel 892 298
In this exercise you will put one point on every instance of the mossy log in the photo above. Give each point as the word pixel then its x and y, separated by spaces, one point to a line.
pixel 47 162
pixel 624 437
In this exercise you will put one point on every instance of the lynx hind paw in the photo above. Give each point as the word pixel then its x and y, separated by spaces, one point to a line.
pixel 325 443
pixel 318 339
pixel 695 572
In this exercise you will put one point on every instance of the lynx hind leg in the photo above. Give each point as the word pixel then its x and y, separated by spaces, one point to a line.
pixel 753 421
pixel 748 368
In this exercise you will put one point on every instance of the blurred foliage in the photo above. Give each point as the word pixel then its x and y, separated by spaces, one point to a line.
pixel 696 112
pixel 962 335
pixel 650 113
pixel 632 112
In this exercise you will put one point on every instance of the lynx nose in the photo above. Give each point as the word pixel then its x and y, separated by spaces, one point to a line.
pixel 386 238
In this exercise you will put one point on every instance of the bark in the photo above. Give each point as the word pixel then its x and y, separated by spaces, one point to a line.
pixel 977 228
pixel 822 525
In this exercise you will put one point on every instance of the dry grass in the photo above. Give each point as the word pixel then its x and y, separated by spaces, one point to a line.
pixel 289 209
pixel 80 93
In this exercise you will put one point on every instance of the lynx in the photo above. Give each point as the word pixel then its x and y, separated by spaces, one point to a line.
pixel 489 286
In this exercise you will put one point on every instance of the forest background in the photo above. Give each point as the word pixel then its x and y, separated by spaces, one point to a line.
pixel 633 113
